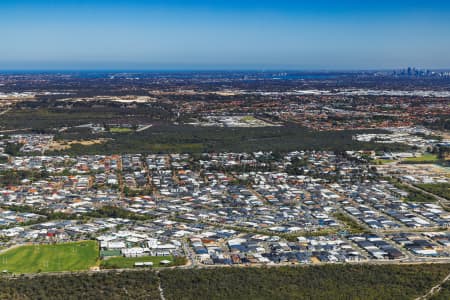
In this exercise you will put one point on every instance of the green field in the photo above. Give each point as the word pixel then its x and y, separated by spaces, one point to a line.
pixel 424 159
pixel 50 258
pixel 128 262
pixel 248 119
pixel 120 130
pixel 382 161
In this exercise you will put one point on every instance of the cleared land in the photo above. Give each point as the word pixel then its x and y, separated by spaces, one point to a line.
pixel 64 145
pixel 50 258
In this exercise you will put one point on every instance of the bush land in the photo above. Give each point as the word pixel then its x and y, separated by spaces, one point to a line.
pixel 440 189
pixel 316 282
pixel 362 282
pixel 100 286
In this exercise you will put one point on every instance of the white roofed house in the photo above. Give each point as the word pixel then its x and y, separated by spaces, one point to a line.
pixel 164 250
pixel 116 245
pixel 135 252
pixel 158 249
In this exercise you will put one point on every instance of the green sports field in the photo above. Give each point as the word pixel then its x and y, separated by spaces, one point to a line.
pixel 50 258
pixel 424 159
pixel 120 130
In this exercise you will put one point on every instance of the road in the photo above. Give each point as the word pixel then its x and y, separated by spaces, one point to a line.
pixel 161 291
pixel 435 289
pixel 5 111
pixel 15 130
pixel 442 201
pixel 144 128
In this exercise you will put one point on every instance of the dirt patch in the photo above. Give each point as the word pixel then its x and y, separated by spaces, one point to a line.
pixel 64 145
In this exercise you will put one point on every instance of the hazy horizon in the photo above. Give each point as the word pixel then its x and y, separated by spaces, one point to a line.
pixel 187 70
pixel 224 35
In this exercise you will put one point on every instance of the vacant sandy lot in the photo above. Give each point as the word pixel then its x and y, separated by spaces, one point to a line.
pixel 63 145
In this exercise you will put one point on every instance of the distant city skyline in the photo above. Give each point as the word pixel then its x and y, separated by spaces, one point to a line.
pixel 224 35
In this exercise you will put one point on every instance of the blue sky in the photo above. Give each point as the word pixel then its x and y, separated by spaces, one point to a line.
pixel 201 34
